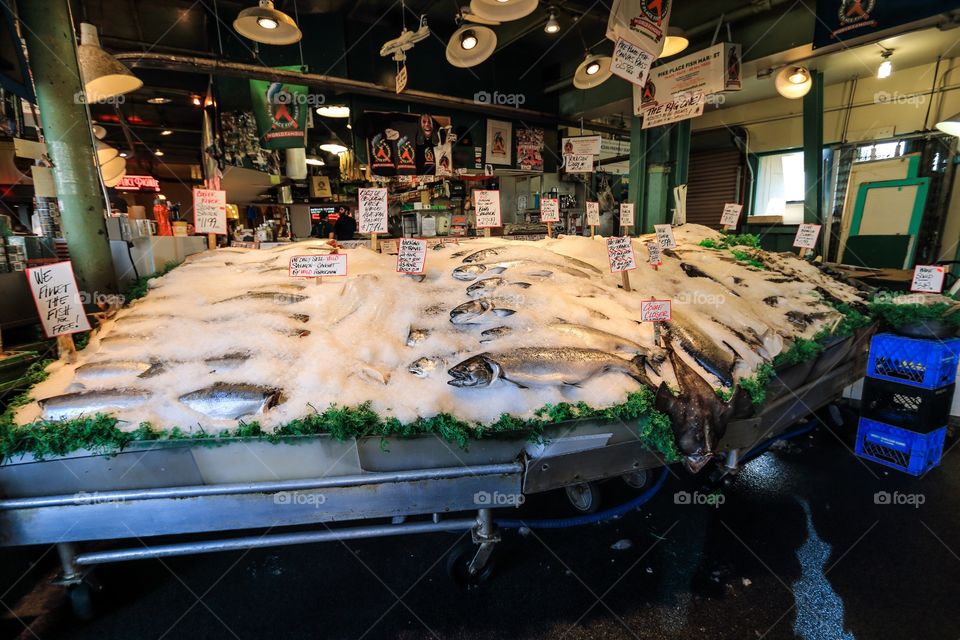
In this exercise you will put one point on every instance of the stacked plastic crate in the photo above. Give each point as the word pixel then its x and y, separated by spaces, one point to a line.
pixel 905 406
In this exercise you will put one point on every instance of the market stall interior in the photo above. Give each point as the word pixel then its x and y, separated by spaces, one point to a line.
pixel 401 254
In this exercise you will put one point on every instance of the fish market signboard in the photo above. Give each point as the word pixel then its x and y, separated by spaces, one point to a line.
pixel 682 108
pixel 710 71
pixel 373 210
pixel 486 204
pixel 620 254
pixel 412 256
pixel 57 297
pixel 327 266
pixel 210 211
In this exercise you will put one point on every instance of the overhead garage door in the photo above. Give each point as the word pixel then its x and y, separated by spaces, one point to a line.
pixel 714 179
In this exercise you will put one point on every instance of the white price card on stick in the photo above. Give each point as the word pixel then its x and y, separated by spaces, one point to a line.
pixel 593 214
pixel 620 254
pixel 656 311
pixel 486 204
pixel 626 214
pixel 372 211
pixel 928 279
pixel 411 256
pixel 577 163
pixel 665 236
pixel 630 62
pixel 731 214
pixel 807 235
pixel 57 297
pixel 330 265
pixel 654 250
pixel 549 210
pixel 210 211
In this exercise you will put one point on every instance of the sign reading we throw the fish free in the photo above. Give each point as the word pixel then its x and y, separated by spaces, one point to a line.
pixel 620 254
pixel 656 311
pixel 210 211
pixel 411 256
pixel 57 298
pixel 549 210
pixel 486 204
pixel 372 211
pixel 331 265
pixel 928 279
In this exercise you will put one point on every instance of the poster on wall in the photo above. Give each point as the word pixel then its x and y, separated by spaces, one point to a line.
pixel 840 20
pixel 530 149
pixel 713 70
pixel 642 22
pixel 403 144
pixel 499 141
pixel 280 109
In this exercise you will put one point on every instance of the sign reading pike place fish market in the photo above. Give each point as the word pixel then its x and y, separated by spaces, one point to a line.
pixel 412 256
pixel 327 266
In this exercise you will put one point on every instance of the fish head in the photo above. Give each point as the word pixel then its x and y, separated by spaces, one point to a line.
pixel 477 371
pixel 421 367
pixel 468 311
pixel 467 273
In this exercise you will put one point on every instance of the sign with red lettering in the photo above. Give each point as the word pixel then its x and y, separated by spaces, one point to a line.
pixel 325 266
pixel 928 279
pixel 210 211
pixel 656 311
pixel 138 183
pixel 620 254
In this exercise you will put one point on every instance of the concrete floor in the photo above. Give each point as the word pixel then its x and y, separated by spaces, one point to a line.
pixel 799 546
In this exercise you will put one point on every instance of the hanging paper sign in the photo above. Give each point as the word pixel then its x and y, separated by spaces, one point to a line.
pixel 731 214
pixel 486 204
pixel 710 71
pixel 665 236
pixel 807 235
pixel 928 279
pixel 656 311
pixel 402 79
pixel 630 62
pixel 593 214
pixel 549 210
pixel 626 214
pixel 334 264
pixel 620 254
pixel 654 250
pixel 57 297
pixel 411 256
pixel 372 212
pixel 578 163
pixel 684 107
pixel 640 21
pixel 582 145
pixel 680 202
pixel 210 211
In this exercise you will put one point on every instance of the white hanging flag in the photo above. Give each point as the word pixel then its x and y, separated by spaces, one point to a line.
pixel 642 22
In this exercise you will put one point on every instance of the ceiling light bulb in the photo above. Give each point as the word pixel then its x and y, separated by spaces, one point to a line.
pixel 158 100
pixel 333 147
pixel 158 153
pixel 799 76
pixel 592 68
pixel 196 101
pixel 552 25
pixel 885 70
pixel 267 23
pixel 166 132
pixel 334 111
pixel 316 162
pixel 123 154
pixel 675 42
pixel 468 40
pixel 793 82
pixel 950 126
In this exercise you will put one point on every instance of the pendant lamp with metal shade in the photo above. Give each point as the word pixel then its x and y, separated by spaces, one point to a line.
pixel 502 10
pixel 105 153
pixel 950 126
pixel 794 82
pixel 675 42
pixel 592 72
pixel 470 45
pixel 104 77
pixel 116 179
pixel 267 25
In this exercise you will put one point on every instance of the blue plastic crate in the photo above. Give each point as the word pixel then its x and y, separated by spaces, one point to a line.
pixel 914 453
pixel 928 364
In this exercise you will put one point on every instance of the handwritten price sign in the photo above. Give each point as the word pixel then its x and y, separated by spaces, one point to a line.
pixel 656 311
pixel 593 214
pixel 928 279
pixel 620 254
pixel 626 214
pixel 318 266
pixel 577 163
pixel 731 214
pixel 373 210
pixel 487 206
pixel 630 62
pixel 807 235
pixel 549 210
pixel 654 250
pixel 210 211
pixel 411 256
pixel 57 298
pixel 665 236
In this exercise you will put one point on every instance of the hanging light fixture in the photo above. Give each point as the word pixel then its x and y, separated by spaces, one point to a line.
pixel 103 76
pixel 105 152
pixel 502 10
pixel 885 70
pixel 158 100
pixel 267 25
pixel 159 153
pixel 111 169
pixel 676 42
pixel 117 178
pixel 794 82
pixel 98 131
pixel 470 45
pixel 950 126
pixel 334 111
pixel 334 147
pixel 315 161
pixel 592 72
pixel 552 26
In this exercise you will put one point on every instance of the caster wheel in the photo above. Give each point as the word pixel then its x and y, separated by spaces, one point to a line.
pixel 585 497
pixel 81 601
pixel 458 566
pixel 636 479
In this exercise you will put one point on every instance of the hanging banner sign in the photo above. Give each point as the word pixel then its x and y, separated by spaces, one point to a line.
pixel 626 214
pixel 928 279
pixel 710 71
pixel 372 211
pixel 582 145
pixel 731 214
pixel 683 108
pixel 840 20
pixel 630 62
pixel 641 22
pixel 331 265
pixel 402 79
pixel 593 214
pixel 486 204
pixel 280 109
pixel 807 235
pixel 57 297
pixel 577 163
pixel 411 256
pixel 654 250
pixel 549 210
pixel 656 311
pixel 620 254
pixel 210 211
pixel 665 236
